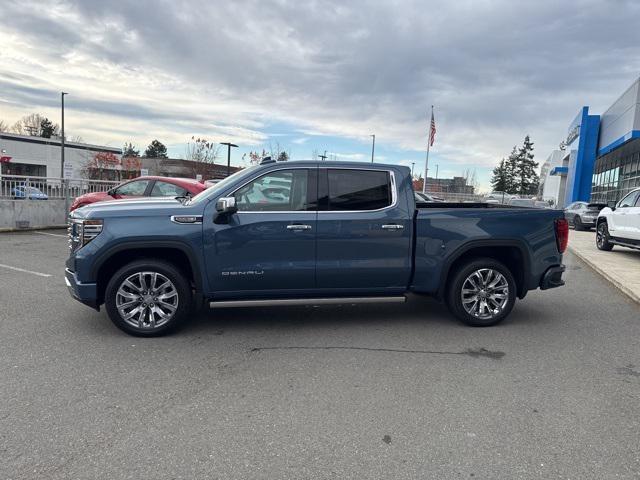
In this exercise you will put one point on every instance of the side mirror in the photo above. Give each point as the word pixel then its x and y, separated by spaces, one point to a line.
pixel 612 204
pixel 226 205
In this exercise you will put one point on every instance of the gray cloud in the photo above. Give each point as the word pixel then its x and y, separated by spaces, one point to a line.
pixel 496 70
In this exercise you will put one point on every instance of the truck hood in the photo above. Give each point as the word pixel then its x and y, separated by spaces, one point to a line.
pixel 138 207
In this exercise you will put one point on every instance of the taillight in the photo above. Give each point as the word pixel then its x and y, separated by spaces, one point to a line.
pixel 562 234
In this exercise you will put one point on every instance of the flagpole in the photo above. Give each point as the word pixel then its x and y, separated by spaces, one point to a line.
pixel 426 163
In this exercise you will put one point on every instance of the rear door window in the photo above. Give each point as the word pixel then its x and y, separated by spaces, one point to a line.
pixel 358 189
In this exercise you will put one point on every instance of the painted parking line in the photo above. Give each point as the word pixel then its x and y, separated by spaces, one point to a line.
pixel 16 269
pixel 52 234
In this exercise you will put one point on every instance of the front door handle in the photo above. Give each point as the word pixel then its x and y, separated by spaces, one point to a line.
pixel 392 226
pixel 297 226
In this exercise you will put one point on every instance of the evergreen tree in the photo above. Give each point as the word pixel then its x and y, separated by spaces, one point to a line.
pixel 156 150
pixel 526 179
pixel 129 150
pixel 47 129
pixel 499 181
pixel 283 157
pixel 510 169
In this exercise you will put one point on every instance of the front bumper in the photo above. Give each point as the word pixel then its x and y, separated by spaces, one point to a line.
pixel 86 293
pixel 552 278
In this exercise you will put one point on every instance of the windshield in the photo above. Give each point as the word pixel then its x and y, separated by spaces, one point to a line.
pixel 221 185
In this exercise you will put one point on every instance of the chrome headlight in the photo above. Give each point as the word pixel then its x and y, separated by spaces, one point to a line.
pixel 82 231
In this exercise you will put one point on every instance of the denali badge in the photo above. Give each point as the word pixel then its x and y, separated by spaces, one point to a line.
pixel 246 272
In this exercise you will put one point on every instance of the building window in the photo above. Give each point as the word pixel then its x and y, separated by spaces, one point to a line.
pixel 24 169
pixel 617 173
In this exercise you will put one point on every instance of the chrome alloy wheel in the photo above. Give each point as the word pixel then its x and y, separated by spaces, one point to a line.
pixel 485 293
pixel 147 300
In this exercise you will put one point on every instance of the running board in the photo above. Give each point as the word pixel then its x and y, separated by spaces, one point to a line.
pixel 304 301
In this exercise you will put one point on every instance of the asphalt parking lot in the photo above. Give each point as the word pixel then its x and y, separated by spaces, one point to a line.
pixel 333 392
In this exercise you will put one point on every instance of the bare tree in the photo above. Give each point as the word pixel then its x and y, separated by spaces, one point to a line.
pixel 254 157
pixel 200 150
pixel 471 178
pixel 278 153
pixel 4 126
pixel 32 125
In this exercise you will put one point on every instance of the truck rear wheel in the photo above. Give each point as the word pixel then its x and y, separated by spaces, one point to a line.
pixel 148 298
pixel 482 292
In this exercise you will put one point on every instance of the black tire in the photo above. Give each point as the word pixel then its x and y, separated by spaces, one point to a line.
pixel 577 224
pixel 461 276
pixel 145 327
pixel 602 237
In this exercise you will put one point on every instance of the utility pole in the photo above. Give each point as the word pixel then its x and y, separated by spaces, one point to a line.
pixel 412 165
pixel 62 94
pixel 62 179
pixel 323 157
pixel 229 145
pixel 373 147
pixel 437 165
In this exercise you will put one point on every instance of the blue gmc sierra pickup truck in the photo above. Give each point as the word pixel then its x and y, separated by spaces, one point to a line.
pixel 312 233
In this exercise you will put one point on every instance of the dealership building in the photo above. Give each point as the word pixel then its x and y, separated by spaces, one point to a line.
pixel 599 161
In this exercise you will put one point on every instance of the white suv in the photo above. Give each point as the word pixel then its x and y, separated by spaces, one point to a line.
pixel 620 224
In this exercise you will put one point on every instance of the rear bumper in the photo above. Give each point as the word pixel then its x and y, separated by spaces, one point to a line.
pixel 86 293
pixel 552 278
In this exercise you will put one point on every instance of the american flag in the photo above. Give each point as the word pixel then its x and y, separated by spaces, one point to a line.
pixel 432 130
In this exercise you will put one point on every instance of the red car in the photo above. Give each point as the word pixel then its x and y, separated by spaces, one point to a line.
pixel 143 187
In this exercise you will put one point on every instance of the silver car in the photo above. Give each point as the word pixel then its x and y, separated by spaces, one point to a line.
pixel 583 215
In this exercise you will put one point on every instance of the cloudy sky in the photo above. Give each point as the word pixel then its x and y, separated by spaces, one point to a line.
pixel 321 75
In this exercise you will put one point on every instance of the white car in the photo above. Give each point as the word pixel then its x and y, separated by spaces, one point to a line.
pixel 620 224
pixel 501 197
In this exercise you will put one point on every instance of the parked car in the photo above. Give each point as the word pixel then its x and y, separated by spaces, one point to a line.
pixel 501 197
pixel 425 197
pixel 583 215
pixel 211 183
pixel 22 192
pixel 522 202
pixel 541 204
pixel 143 187
pixel 619 224
pixel 336 232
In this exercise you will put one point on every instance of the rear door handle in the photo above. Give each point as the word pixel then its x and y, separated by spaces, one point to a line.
pixel 392 226
pixel 298 226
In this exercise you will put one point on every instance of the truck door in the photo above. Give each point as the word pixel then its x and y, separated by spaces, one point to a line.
pixel 269 243
pixel 633 220
pixel 364 232
pixel 621 217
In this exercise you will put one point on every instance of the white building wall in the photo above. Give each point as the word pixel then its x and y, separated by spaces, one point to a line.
pixel 46 151
pixel 553 183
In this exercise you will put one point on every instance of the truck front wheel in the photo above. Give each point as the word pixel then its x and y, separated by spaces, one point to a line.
pixel 148 298
pixel 482 292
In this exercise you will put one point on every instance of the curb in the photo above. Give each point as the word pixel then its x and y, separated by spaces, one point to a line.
pixel 615 282
pixel 31 229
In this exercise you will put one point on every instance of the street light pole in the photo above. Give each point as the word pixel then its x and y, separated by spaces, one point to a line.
pixel 373 147
pixel 64 191
pixel 229 145
pixel 62 94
